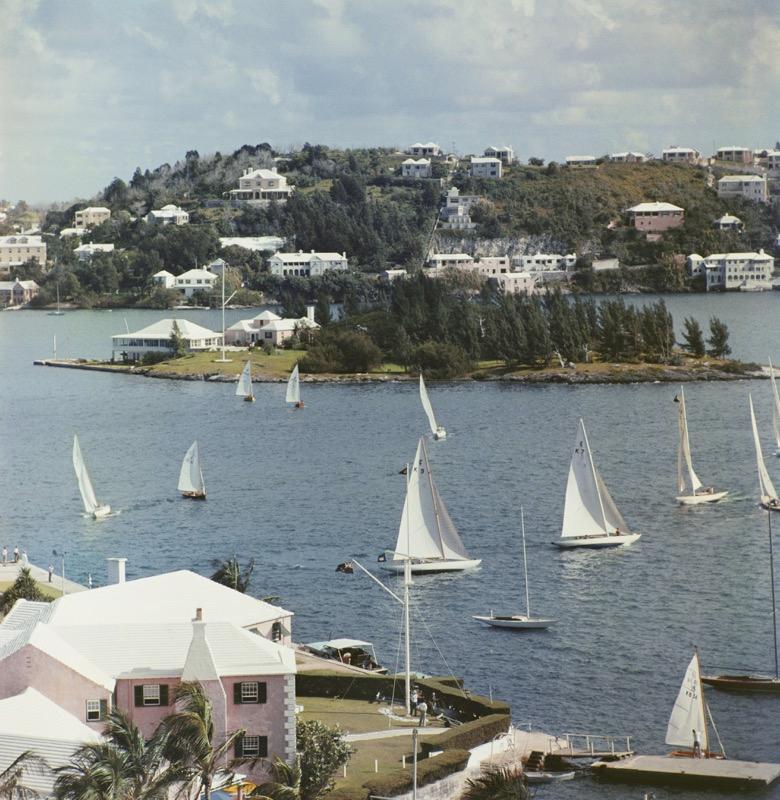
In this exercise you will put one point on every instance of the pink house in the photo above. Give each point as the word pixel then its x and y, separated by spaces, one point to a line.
pixel 656 217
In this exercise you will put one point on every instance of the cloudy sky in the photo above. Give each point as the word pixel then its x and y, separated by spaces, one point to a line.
pixel 91 89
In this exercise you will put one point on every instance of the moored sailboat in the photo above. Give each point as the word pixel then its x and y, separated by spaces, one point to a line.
pixel 244 386
pixel 57 313
pixel 775 408
pixel 294 389
pixel 191 484
pixel 767 493
pixel 427 537
pixel 437 430
pixel 92 506
pixel 698 492
pixel 590 516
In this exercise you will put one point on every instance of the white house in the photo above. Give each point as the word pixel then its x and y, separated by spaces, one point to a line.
pixel 86 251
pixel 66 232
pixel 581 161
pixel 482 167
pixel 680 155
pixel 516 283
pixel 257 244
pixel 269 328
pixel 258 187
pixel 168 215
pixel 739 155
pixel 165 279
pixel 416 168
pixel 217 266
pixel 19 249
pixel 444 260
pixel 628 158
pixel 772 160
pixel 195 280
pixel 504 153
pixel 545 262
pixel 391 275
pixel 733 270
pixel 89 217
pixel 728 222
pixel 426 149
pixel 490 266
pixel 307 264
pixel 751 187
pixel 455 212
pixel 156 338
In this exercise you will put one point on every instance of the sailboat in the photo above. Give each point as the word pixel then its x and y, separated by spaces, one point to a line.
pixel 518 621
pixel 688 722
pixel 590 516
pixel 767 492
pixel 699 493
pixel 427 536
pixel 191 483
pixel 775 408
pixel 244 387
pixel 57 313
pixel 91 504
pixel 436 429
pixel 294 389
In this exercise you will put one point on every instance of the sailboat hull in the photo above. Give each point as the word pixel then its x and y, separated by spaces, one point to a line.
pixel 770 503
pixel 439 434
pixel 758 684
pixel 249 399
pixel 700 499
pixel 101 511
pixel 194 495
pixel 621 540
pixel 517 622
pixel 423 567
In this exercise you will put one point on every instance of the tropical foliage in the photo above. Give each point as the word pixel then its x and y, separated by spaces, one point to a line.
pixel 231 574
pixel 322 750
pixel 492 783
pixel 12 778
pixel 23 588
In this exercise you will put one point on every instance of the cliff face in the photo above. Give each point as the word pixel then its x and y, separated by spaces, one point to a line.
pixel 453 242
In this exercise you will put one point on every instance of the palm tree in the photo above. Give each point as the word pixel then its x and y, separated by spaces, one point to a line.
pixel 285 783
pixel 11 787
pixel 192 742
pixel 229 573
pixel 504 783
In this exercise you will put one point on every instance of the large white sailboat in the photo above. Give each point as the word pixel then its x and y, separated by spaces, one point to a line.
pixel 767 491
pixel 775 408
pixel 191 483
pixel 436 429
pixel 590 516
pixel 92 506
pixel 294 389
pixel 244 386
pixel 698 493
pixel 427 536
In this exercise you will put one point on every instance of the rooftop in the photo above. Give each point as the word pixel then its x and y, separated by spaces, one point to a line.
pixel 162 329
pixel 653 207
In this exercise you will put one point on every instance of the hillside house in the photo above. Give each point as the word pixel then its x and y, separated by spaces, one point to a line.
pixel 737 155
pixel 656 217
pixel 90 217
pixel 516 283
pixel 257 244
pixel 168 215
pixel 728 271
pixel 545 262
pixel 165 279
pixel 751 187
pixel 482 167
pixel 269 328
pixel 680 155
pixel 504 153
pixel 444 260
pixel 195 280
pixel 86 251
pixel 416 168
pixel 258 187
pixel 19 249
pixel 424 150
pixel 728 222
pixel 628 158
pixel 308 264
pixel 581 161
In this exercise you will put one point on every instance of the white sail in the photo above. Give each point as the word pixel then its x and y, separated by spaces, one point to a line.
pixel 426 404
pixel 85 484
pixel 684 452
pixel 583 511
pixel 191 476
pixel 244 387
pixel 765 484
pixel 689 712
pixel 775 405
pixel 294 387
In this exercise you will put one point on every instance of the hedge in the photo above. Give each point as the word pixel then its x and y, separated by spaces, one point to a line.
pixel 468 735
pixel 428 771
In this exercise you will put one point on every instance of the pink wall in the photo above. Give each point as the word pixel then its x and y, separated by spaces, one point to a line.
pixel 662 222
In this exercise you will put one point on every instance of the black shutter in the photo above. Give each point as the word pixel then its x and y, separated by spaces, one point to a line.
pixel 263 745
pixel 238 745
pixel 138 691
pixel 237 694
pixel 262 693
pixel 163 694
pixel 103 709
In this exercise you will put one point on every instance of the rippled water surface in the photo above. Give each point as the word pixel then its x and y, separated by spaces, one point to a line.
pixel 301 491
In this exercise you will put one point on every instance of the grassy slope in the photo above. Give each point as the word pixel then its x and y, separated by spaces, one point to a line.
pixel 47 588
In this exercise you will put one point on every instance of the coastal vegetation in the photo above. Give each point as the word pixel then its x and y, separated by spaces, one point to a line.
pixel 25 587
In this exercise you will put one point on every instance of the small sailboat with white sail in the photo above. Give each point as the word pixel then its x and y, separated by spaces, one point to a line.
pixel 294 389
pixel 92 506
pixel 698 493
pixel 427 537
pixel 775 408
pixel 590 516
pixel 244 386
pixel 767 492
pixel 191 483
pixel 518 621
pixel 436 429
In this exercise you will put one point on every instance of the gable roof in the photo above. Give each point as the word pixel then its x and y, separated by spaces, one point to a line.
pixel 162 329
pixel 196 274
pixel 649 207
pixel 742 179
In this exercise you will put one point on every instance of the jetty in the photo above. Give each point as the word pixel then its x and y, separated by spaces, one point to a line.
pixel 670 770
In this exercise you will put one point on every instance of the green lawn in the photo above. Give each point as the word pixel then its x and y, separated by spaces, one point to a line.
pixel 278 365
pixel 49 589
pixel 352 716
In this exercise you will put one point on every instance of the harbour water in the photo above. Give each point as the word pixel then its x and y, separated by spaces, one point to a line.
pixel 300 491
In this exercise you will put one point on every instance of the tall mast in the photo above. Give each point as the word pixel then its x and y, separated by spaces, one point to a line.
pixel 407 623
pixel 774 605
pixel 704 710
pixel 595 480
pixel 433 497
pixel 525 566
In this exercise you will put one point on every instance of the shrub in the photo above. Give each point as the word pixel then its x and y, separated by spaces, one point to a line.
pixel 440 360
pixel 470 734
pixel 147 359
pixel 342 351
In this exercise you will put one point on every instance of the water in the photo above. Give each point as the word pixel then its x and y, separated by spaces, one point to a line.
pixel 302 491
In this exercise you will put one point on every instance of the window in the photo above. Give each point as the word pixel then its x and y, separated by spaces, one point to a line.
pixel 251 747
pixel 96 710
pixel 249 692
pixel 151 694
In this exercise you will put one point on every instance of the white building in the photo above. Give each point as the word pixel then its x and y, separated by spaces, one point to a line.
pixel 307 264
pixel 165 279
pixel 391 275
pixel 504 153
pixel 195 280
pixel 772 159
pixel 751 187
pixel 168 215
pixel 516 283
pixel 426 149
pixel 628 158
pixel 156 338
pixel 90 217
pixel 86 251
pixel 728 222
pixel 545 262
pixel 269 328
pixel 258 187
pixel 17 293
pixel 257 244
pixel 490 266
pixel 581 161
pixel 66 232
pixel 217 266
pixel 455 213
pixel 444 260
pixel 416 168
pixel 482 167
pixel 680 155
pixel 725 271
pixel 19 249
pixel 738 155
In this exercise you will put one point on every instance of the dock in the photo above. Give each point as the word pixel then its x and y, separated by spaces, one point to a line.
pixel 669 770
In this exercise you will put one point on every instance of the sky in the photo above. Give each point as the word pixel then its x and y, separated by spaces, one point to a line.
pixel 90 89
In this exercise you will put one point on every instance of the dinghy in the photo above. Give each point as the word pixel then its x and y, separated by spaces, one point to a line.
pixel 518 621
pixel 191 483
pixel 427 536
pixel 767 493
pixel 244 387
pixel 436 429
pixel 590 516
pixel 698 492
pixel 775 408
pixel 91 504
pixel 294 389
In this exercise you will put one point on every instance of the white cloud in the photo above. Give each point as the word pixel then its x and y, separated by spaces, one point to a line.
pixel 266 83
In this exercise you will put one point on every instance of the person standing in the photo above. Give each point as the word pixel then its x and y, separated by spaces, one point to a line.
pixel 5 554
pixel 25 560
pixel 16 554
pixel 422 710
pixel 696 744
pixel 51 572
pixel 413 698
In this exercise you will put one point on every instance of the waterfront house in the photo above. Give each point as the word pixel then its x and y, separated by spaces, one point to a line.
pixel 737 155
pixel 444 260
pixel 416 168
pixel 680 155
pixel 90 217
pixel 19 249
pixel 581 161
pixel 482 167
pixel 269 328
pixel 751 187
pixel 168 215
pixel 307 264
pixel 628 158
pixel 258 187
pixel 728 222
pixel 656 217
pixel 504 153
pixel 724 271
pixel 195 280
pixel 86 251
pixel 156 338
pixel 424 150
pixel 165 279
pixel 516 283
pixel 545 262
pixel 17 293
pixel 490 266
pixel 257 244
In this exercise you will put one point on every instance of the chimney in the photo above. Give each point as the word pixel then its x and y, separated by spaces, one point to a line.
pixel 198 615
pixel 116 570
pixel 310 313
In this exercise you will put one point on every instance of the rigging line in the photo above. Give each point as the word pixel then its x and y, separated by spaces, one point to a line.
pixel 715 728
pixel 397 662
pixel 450 672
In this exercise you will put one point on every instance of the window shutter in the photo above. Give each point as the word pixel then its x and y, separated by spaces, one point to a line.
pixel 104 709
pixel 237 694
pixel 263 745
pixel 138 691
pixel 163 694
pixel 238 745
pixel 262 693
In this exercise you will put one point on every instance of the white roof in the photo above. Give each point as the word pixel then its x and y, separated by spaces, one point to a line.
pixel 242 325
pixel 733 147
pixel 676 149
pixel 256 243
pixel 728 219
pixel 71 232
pixel 94 247
pixel 742 179
pixel 501 147
pixel 94 209
pixel 646 207
pixel 339 644
pixel 17 282
pixel 20 238
pixel 450 256
pixel 420 161
pixel 163 273
pixel 196 274
pixel 298 257
pixel 484 160
pixel 265 174
pixel 426 144
pixel 267 316
pixel 740 257
pixel 162 329
pixel 627 153
pixel 580 158
pixel 289 324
